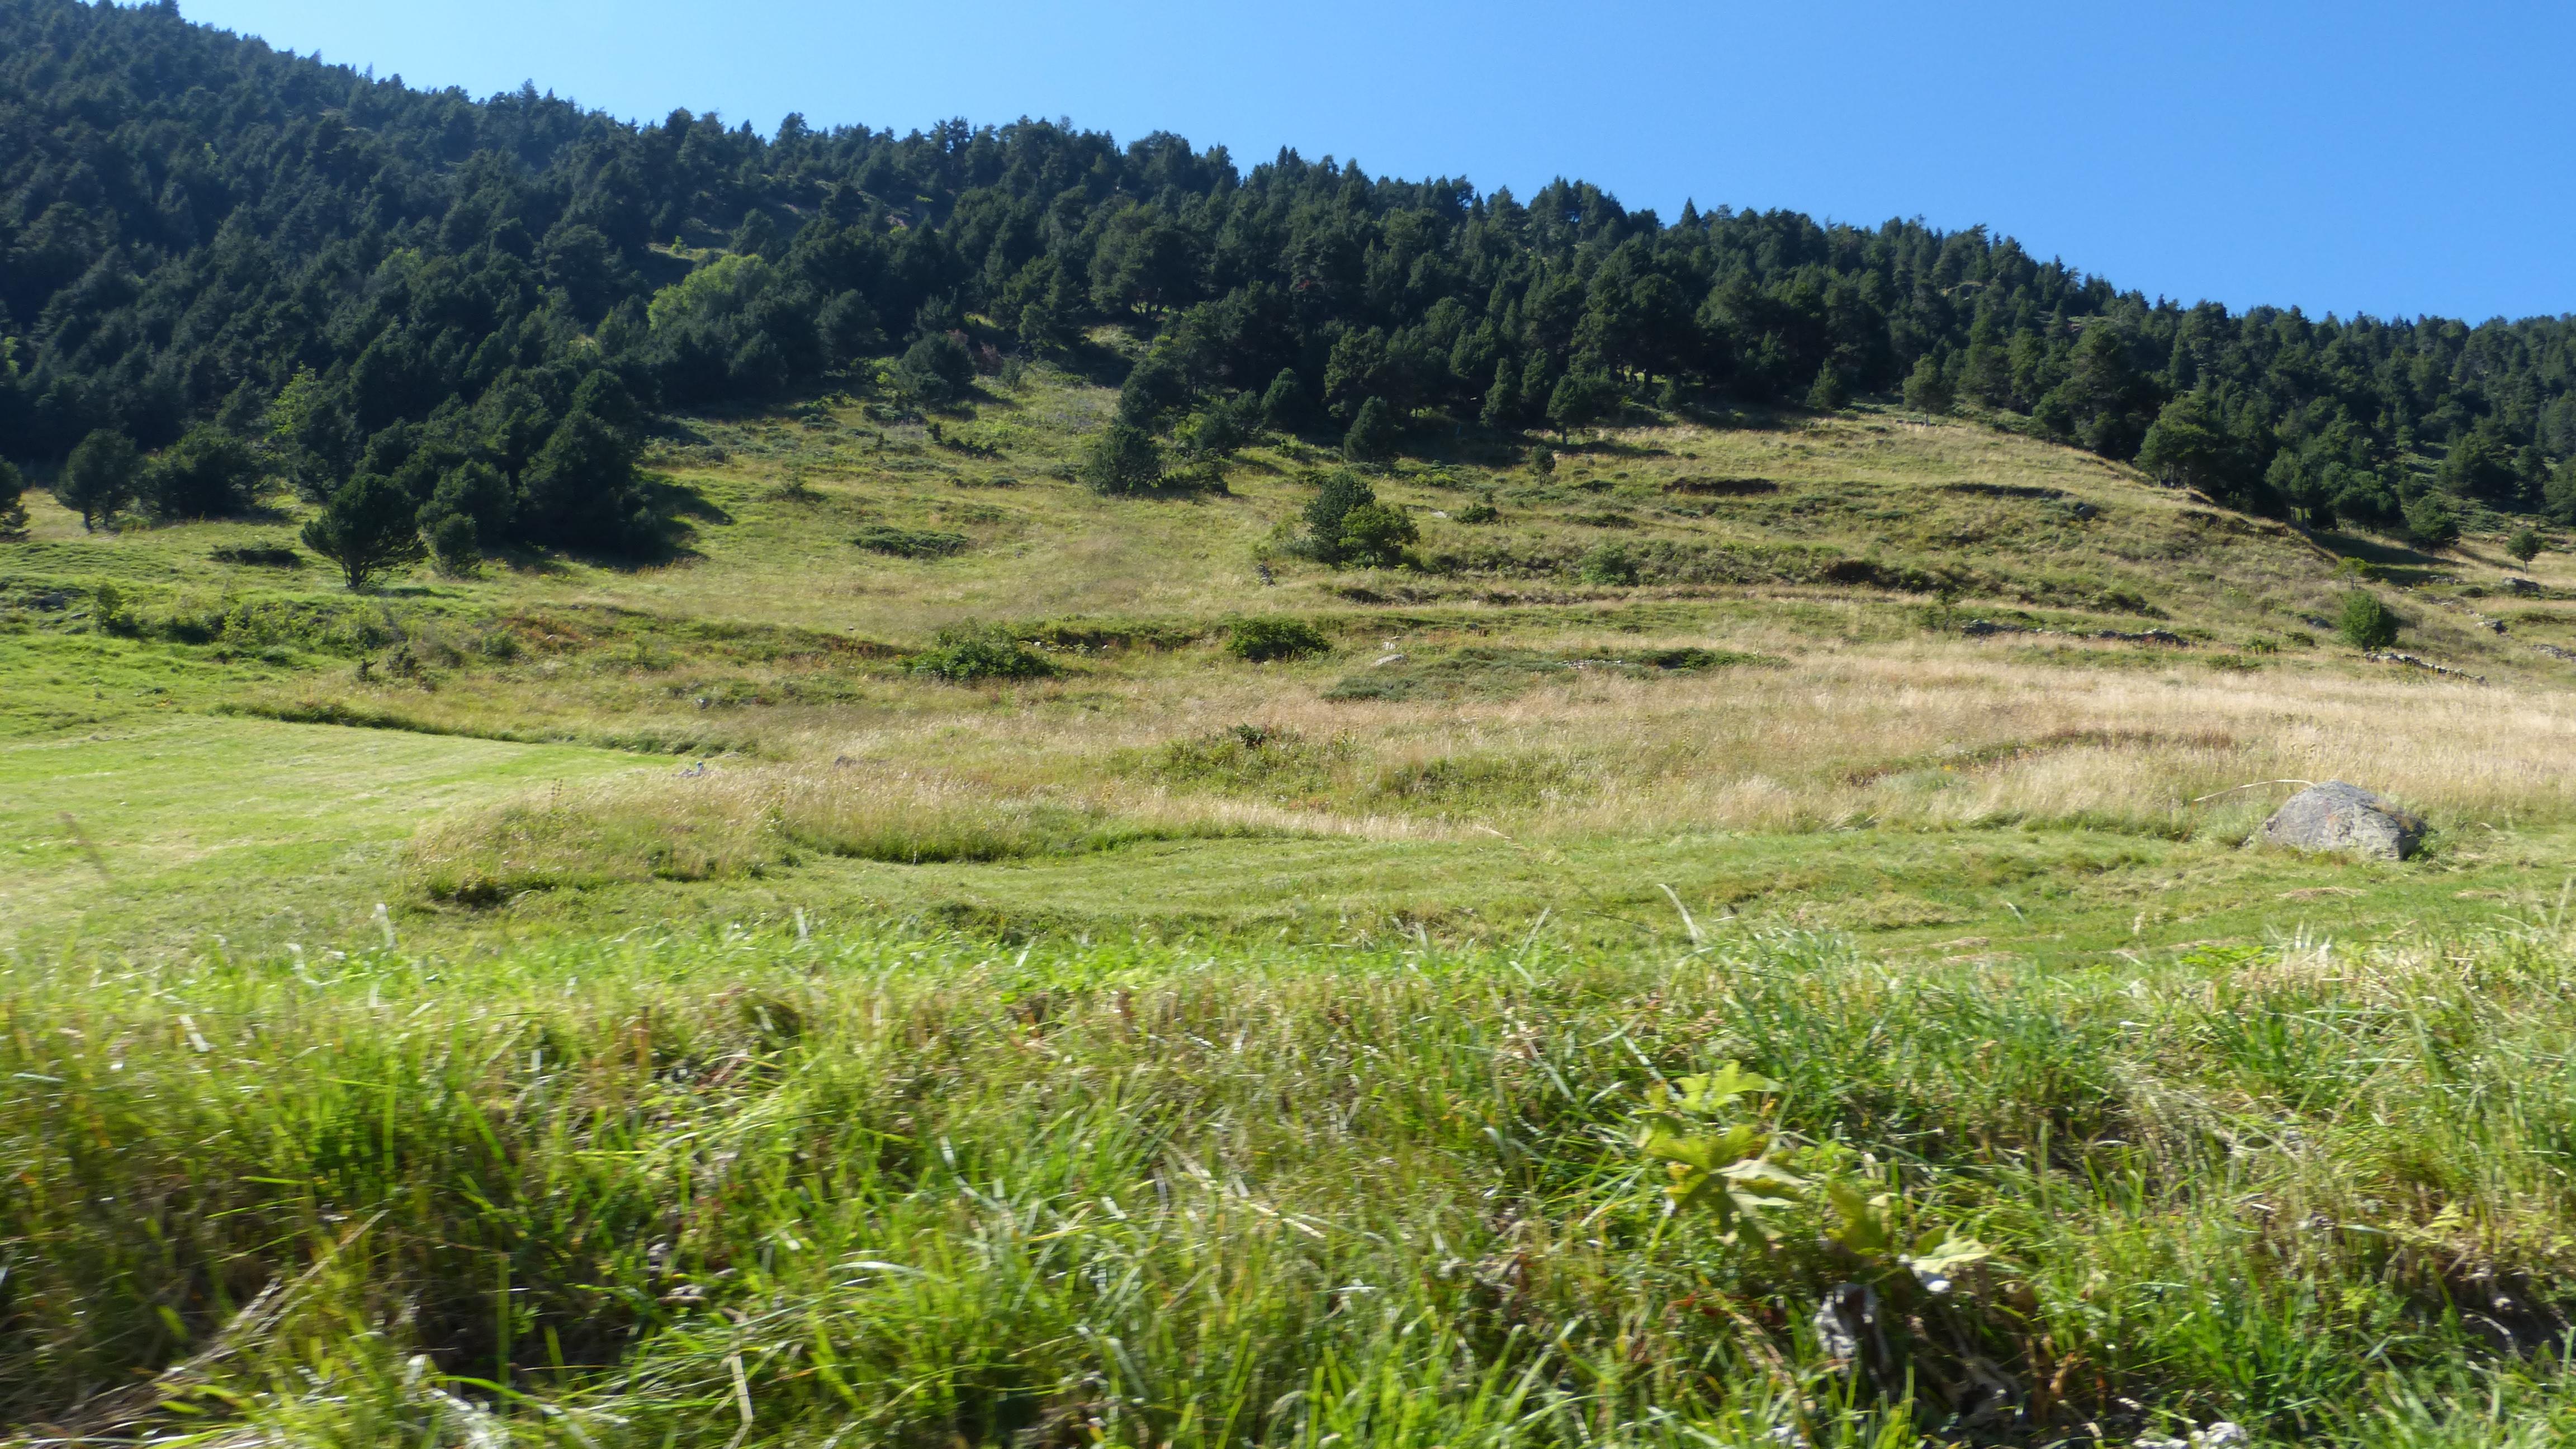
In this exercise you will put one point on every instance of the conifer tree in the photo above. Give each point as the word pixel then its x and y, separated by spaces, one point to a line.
pixel 100 477
pixel 1372 435
pixel 1827 394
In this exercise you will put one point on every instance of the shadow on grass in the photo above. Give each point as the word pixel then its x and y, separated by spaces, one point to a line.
pixel 2378 553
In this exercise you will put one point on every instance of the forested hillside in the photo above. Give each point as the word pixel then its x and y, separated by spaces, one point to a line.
pixel 274 268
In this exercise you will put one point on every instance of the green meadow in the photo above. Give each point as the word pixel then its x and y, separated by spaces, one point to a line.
pixel 830 988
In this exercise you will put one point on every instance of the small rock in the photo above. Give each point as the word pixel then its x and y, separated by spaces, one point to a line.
pixel 2338 816
pixel 2219 1435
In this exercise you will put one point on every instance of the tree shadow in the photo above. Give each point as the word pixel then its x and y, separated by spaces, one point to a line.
pixel 1094 363
pixel 2378 553
pixel 672 500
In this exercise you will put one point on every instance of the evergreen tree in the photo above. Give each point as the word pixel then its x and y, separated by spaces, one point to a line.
pixel 13 510
pixel 1372 435
pixel 100 477
pixel 2188 447
pixel 2558 495
pixel 1123 458
pixel 1827 394
pixel 1502 400
pixel 198 224
pixel 475 491
pixel 1927 388
pixel 368 527
pixel 936 368
pixel 2365 622
pixel 456 542
pixel 208 473
pixel 1283 406
pixel 580 491
pixel 1576 401
pixel 1342 491
pixel 2432 522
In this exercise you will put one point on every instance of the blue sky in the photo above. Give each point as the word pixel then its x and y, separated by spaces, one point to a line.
pixel 2389 158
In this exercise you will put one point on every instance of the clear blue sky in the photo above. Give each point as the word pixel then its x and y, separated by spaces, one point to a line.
pixel 2362 156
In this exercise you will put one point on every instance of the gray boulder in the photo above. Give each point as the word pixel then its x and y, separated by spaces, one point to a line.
pixel 2337 816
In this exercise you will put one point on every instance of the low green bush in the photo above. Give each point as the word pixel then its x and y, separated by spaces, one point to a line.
pixel 1262 640
pixel 2365 622
pixel 1608 563
pixel 910 542
pixel 969 652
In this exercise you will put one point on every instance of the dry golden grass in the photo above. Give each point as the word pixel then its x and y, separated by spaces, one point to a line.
pixel 731 819
pixel 1935 734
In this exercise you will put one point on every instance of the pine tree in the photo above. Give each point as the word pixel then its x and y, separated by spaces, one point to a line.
pixel 1927 389
pixel 1372 435
pixel 1283 407
pixel 2525 545
pixel 13 512
pixel 1827 395
pixel 1502 400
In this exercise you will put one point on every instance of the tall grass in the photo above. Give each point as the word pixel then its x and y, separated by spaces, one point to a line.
pixel 759 1188
pixel 730 820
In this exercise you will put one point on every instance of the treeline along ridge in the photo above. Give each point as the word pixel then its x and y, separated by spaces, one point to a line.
pixel 261 266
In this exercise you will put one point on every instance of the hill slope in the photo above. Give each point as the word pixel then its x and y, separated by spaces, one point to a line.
pixel 192 222
pixel 1670 657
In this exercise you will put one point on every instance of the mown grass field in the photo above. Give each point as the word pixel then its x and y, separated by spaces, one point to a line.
pixel 764 1041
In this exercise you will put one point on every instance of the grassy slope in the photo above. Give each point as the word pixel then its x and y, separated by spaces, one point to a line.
pixel 1505 782
pixel 1349 1155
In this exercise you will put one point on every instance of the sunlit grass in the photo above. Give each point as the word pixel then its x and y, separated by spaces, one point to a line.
pixel 919 1191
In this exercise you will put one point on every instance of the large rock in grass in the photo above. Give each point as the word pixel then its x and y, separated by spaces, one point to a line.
pixel 2337 816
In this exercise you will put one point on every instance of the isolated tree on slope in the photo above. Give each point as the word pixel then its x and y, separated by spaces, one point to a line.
pixel 100 477
pixel 369 527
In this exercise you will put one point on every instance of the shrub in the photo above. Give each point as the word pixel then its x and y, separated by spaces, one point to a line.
pixel 1123 458
pixel 2365 622
pixel 909 543
pixel 1608 563
pixel 456 543
pixel 1477 512
pixel 937 367
pixel 964 653
pixel 251 556
pixel 1374 535
pixel 1261 640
